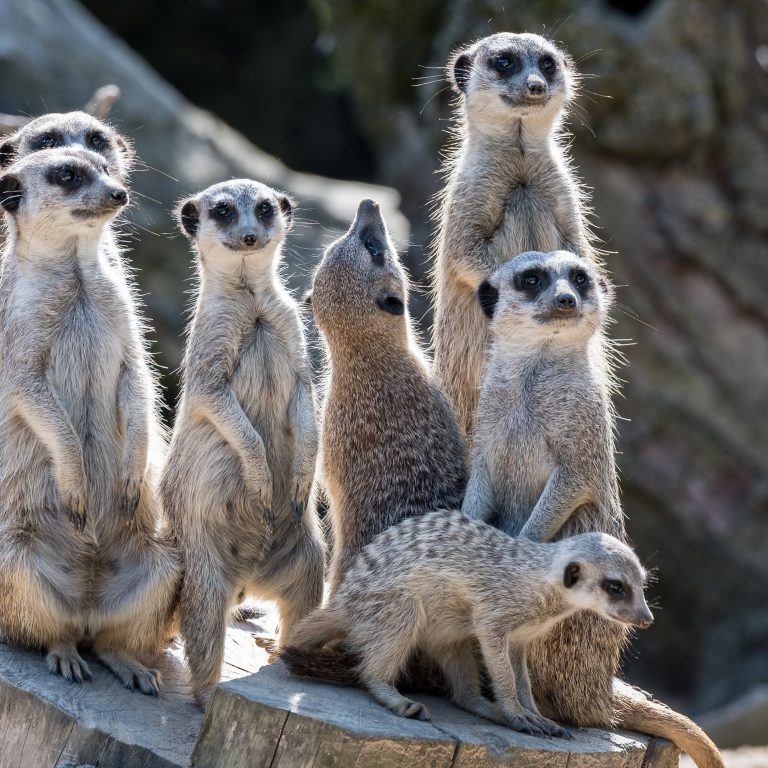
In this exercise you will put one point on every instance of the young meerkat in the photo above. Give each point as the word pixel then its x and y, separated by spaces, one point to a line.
pixel 239 476
pixel 544 468
pixel 391 448
pixel 510 188
pixel 438 584
pixel 86 556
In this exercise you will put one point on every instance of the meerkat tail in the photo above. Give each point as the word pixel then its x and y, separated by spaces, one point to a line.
pixel 636 712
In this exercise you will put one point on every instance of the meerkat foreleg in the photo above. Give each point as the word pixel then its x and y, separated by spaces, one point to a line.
pixel 63 659
pixel 495 649
pixel 133 410
pixel 130 672
pixel 562 495
pixel 478 499
pixel 223 410
pixel 39 407
pixel 302 416
pixel 460 668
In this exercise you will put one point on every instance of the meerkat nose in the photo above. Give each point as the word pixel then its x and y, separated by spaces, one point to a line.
pixel 249 240
pixel 565 302
pixel 645 619
pixel 119 196
pixel 536 86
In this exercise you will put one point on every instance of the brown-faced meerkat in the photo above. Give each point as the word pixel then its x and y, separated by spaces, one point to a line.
pixel 510 188
pixel 544 468
pixel 241 464
pixel 391 448
pixel 86 557
pixel 441 583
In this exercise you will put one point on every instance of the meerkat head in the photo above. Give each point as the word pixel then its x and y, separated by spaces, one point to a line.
pixel 508 76
pixel 545 297
pixel 61 192
pixel 73 130
pixel 359 289
pixel 597 572
pixel 236 225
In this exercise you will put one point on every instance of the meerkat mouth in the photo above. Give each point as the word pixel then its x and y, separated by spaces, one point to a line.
pixel 524 102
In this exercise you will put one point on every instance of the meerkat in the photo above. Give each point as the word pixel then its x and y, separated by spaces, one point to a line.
pixel 239 476
pixel 442 582
pixel 510 188
pixel 85 556
pixel 543 468
pixel 72 130
pixel 391 448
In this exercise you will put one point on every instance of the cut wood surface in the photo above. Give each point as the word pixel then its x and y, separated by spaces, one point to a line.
pixel 262 716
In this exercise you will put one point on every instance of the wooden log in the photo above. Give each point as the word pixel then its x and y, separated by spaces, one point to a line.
pixel 262 716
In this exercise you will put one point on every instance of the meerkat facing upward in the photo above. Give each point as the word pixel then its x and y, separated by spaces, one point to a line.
pixel 391 447
pixel 510 188
pixel 439 583
pixel 80 436
pixel 544 468
pixel 240 470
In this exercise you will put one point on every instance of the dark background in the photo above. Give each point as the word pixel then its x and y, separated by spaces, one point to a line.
pixel 670 132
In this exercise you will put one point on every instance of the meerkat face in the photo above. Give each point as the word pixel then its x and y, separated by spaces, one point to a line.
pixel 61 191
pixel 360 285
pixel 555 296
pixel 605 576
pixel 509 76
pixel 72 130
pixel 236 223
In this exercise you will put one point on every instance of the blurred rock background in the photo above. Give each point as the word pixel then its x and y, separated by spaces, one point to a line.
pixel 671 133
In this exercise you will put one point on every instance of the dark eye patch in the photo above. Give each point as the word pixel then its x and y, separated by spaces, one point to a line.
pixel 391 304
pixel 265 209
pixel 616 590
pixel 548 66
pixel 505 63
pixel 97 140
pixel 69 177
pixel 580 281
pixel 223 212
pixel 531 282
pixel 47 140
pixel 374 245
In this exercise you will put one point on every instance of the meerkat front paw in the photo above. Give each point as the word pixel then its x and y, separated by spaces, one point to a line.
pixel 73 506
pixel 412 709
pixel 300 499
pixel 131 495
pixel 259 486
pixel 529 722
pixel 64 660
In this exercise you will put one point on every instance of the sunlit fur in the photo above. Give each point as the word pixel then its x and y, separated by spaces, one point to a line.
pixel 544 468
pixel 391 447
pixel 80 438
pixel 239 477
pixel 510 187
pixel 443 584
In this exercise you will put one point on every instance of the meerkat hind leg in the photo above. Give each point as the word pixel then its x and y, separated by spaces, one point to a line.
pixel 460 668
pixel 63 659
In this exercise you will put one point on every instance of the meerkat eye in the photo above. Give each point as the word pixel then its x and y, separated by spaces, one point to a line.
pixel 580 278
pixel 97 140
pixel 47 141
pixel 222 210
pixel 504 64
pixel 547 64
pixel 531 280
pixel 614 587
pixel 66 175
pixel 266 209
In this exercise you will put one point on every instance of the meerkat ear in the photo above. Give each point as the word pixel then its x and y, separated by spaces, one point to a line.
pixel 607 289
pixel 459 70
pixel 307 300
pixel 488 296
pixel 7 153
pixel 571 574
pixel 10 193
pixel 286 206
pixel 189 218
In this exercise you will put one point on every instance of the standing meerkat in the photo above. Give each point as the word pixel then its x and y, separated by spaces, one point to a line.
pixel 391 448
pixel 240 470
pixel 510 188
pixel 544 468
pixel 86 556
pixel 438 584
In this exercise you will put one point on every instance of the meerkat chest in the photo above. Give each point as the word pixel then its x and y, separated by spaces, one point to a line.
pixel 264 370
